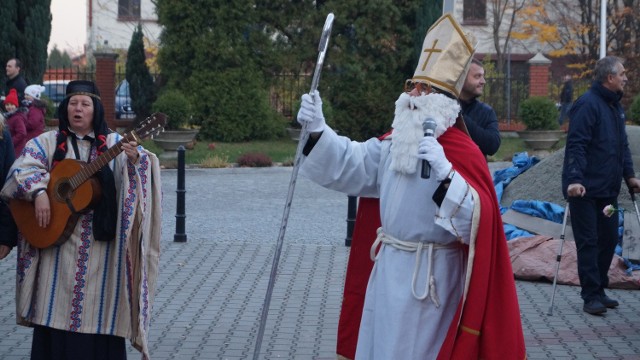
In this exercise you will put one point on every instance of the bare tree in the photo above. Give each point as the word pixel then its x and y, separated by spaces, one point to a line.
pixel 504 14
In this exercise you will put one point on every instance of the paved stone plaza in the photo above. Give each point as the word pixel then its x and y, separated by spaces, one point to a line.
pixel 211 287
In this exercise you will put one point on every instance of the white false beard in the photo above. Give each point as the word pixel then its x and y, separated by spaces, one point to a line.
pixel 411 112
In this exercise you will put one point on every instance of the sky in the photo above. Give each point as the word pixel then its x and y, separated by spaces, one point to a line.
pixel 69 25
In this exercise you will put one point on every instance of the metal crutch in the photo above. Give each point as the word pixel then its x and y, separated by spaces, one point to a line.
pixel 559 257
pixel 633 199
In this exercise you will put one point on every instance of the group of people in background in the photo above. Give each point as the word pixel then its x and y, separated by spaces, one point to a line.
pixel 23 109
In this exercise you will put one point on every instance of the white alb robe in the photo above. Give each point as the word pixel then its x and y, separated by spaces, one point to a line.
pixel 395 324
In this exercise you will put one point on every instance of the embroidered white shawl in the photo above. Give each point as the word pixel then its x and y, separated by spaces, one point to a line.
pixel 84 285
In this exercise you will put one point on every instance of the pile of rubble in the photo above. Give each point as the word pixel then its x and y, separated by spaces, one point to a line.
pixel 543 180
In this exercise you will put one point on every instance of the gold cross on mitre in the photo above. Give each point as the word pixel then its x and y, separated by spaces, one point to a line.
pixel 430 52
pixel 446 54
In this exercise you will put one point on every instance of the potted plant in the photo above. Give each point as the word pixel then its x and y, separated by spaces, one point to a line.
pixel 540 116
pixel 177 108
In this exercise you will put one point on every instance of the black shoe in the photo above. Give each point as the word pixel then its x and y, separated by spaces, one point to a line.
pixel 594 307
pixel 609 302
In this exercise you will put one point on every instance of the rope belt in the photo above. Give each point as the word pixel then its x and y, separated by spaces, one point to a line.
pixel 430 286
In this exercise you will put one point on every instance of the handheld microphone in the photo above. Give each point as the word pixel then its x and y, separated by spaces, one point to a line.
pixel 429 127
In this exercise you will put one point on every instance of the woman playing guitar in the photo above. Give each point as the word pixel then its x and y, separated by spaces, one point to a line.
pixel 96 195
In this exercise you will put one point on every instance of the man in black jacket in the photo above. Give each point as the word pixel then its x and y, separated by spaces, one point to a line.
pixel 596 159
pixel 15 79
pixel 480 118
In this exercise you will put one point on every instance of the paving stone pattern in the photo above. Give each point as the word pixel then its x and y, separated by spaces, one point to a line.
pixel 211 288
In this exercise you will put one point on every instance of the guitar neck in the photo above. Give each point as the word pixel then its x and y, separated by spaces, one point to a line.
pixel 90 169
pixel 149 127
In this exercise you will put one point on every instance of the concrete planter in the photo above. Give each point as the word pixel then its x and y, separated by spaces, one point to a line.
pixel 170 140
pixel 541 139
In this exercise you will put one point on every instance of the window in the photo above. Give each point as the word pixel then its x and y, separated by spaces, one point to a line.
pixel 475 12
pixel 128 9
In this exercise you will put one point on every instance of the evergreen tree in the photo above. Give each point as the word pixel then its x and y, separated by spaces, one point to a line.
pixel 8 35
pixel 428 12
pixel 34 27
pixel 371 55
pixel 66 59
pixel 374 47
pixel 214 51
pixel 58 59
pixel 55 58
pixel 140 81
pixel 222 54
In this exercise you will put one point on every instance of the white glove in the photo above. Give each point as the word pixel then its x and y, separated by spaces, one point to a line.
pixel 431 150
pixel 311 112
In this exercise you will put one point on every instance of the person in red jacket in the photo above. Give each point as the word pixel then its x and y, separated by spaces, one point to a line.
pixel 37 110
pixel 16 118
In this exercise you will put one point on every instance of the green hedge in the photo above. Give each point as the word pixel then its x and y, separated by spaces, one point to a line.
pixel 176 106
pixel 539 113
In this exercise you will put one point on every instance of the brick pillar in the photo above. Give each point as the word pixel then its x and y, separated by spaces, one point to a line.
pixel 539 75
pixel 106 82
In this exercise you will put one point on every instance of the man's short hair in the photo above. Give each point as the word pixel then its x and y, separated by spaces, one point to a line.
pixel 605 67
pixel 477 62
pixel 18 62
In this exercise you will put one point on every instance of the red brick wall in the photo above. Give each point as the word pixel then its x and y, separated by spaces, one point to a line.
pixel 105 75
pixel 60 74
pixel 539 80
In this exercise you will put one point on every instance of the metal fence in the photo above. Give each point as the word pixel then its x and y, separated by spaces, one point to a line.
pixel 285 92
pixel 502 93
pixel 55 83
pixel 505 94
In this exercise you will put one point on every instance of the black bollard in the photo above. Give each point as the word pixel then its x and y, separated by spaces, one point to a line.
pixel 180 235
pixel 351 219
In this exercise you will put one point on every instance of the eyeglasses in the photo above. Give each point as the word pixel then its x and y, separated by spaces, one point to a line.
pixel 410 85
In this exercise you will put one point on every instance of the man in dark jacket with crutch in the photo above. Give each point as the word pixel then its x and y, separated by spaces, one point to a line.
pixel 597 158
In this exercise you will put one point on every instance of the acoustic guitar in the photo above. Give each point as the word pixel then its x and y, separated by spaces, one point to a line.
pixel 73 190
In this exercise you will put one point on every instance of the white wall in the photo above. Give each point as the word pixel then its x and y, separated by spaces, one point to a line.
pixel 484 33
pixel 103 25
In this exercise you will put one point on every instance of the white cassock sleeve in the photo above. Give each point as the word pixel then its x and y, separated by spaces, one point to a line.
pixel 343 165
pixel 456 210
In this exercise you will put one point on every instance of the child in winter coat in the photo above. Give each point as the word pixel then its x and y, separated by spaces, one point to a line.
pixel 37 110
pixel 15 119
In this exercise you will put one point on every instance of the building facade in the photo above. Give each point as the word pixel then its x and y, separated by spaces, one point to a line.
pixel 110 23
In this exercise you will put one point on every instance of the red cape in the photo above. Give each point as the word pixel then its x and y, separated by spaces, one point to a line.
pixel 488 324
pixel 358 269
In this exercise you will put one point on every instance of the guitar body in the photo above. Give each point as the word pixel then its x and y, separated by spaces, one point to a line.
pixel 66 202
pixel 73 190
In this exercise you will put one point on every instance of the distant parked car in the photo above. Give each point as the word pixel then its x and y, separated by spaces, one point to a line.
pixel 123 101
pixel 55 91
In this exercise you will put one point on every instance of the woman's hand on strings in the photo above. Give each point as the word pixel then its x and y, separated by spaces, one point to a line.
pixel 131 150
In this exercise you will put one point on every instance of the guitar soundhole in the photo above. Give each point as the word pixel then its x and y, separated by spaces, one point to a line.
pixel 64 190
